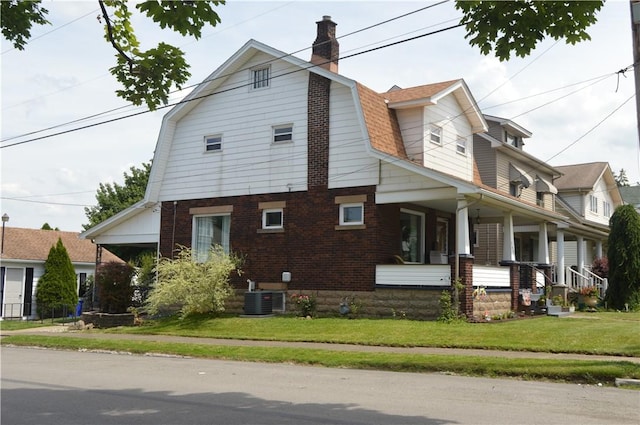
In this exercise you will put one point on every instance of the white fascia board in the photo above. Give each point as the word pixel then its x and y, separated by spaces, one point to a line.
pixel 519 154
pixel 469 105
pixel 507 123
pixel 121 217
pixel 509 204
pixel 435 194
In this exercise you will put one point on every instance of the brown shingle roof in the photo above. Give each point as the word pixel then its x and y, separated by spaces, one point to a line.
pixel 382 124
pixel 418 92
pixel 34 245
pixel 579 176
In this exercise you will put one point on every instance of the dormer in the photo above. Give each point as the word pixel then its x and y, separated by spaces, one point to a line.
pixel 507 131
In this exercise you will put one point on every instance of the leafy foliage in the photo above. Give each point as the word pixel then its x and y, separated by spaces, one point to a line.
pixel 115 291
pixel 507 27
pixel 57 287
pixel 17 18
pixel 147 76
pixel 624 258
pixel 621 178
pixel 145 277
pixel 191 287
pixel 600 267
pixel 46 226
pixel 114 198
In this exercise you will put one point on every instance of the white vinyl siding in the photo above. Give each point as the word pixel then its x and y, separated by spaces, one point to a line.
pixel 448 115
pixel 246 119
pixel 412 130
pixel 350 165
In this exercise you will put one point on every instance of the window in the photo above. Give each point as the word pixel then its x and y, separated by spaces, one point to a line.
pixel 272 219
pixel 412 236
pixel 209 231
pixel 593 204
pixel 351 214
pixel 461 145
pixel 442 235
pixel 436 135
pixel 283 133
pixel 512 140
pixel 213 143
pixel 606 209
pixel 515 189
pixel 540 199
pixel 260 78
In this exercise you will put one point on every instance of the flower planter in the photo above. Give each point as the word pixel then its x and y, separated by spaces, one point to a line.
pixel 590 302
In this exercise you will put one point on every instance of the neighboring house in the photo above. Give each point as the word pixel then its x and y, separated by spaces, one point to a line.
pixel 588 194
pixel 631 195
pixel 24 252
pixel 325 186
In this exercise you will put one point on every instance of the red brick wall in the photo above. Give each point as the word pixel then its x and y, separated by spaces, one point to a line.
pixel 318 130
pixel 318 256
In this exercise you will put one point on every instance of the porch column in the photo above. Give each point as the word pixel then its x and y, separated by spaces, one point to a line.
pixel 462 228
pixel 598 248
pixel 560 273
pixel 508 246
pixel 466 294
pixel 514 280
pixel 543 244
pixel 580 252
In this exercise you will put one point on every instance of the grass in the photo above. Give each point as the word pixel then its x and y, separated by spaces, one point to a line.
pixel 613 333
pixel 14 325
pixel 602 333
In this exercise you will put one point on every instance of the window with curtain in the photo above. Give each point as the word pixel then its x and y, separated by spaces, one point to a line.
pixel 412 225
pixel 209 231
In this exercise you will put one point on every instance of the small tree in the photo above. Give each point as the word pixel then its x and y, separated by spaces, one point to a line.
pixel 57 286
pixel 624 259
pixel 145 277
pixel 191 287
pixel 115 291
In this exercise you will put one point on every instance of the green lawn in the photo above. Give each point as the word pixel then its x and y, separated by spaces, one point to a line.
pixel 589 333
pixel 592 333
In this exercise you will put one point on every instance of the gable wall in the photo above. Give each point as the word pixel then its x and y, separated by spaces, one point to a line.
pixel 350 164
pixel 601 192
pixel 248 162
pixel 485 157
pixel 448 115
pixel 413 132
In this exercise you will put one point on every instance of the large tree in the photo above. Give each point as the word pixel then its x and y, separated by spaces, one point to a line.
pixel 113 198
pixel 147 76
pixel 56 290
pixel 516 27
pixel 624 259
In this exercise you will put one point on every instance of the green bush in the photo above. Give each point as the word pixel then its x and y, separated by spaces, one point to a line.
pixel 191 287
pixel 115 291
pixel 624 259
pixel 56 293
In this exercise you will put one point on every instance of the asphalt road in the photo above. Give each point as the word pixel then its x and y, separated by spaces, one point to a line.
pixel 64 387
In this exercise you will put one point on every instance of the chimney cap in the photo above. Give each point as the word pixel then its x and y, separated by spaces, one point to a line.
pixel 326 18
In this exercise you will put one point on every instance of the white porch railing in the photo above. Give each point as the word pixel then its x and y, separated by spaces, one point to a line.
pixel 576 281
pixel 413 275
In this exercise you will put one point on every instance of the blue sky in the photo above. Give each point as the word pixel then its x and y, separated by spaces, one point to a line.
pixel 571 98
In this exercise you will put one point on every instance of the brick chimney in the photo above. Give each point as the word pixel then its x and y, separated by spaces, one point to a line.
pixel 326 51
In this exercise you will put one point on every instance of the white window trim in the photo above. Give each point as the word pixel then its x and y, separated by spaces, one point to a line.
pixel 431 131
pixel 265 212
pixel 275 128
pixel 252 76
pixel 461 146
pixel 351 205
pixel 593 204
pixel 212 137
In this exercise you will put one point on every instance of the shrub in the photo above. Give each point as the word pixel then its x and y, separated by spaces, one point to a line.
pixel 115 291
pixel 191 287
pixel 600 267
pixel 624 258
pixel 305 305
pixel 56 290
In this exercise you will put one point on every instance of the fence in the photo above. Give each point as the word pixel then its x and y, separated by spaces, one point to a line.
pixel 26 311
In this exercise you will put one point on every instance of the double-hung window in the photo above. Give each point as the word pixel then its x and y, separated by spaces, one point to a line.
pixel 436 135
pixel 606 208
pixel 283 133
pixel 260 77
pixel 461 145
pixel 209 231
pixel 593 201
pixel 213 143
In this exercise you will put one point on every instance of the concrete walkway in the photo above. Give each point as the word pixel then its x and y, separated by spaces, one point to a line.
pixel 65 331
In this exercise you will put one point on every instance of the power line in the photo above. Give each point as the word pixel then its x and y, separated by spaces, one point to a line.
pixel 305 68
